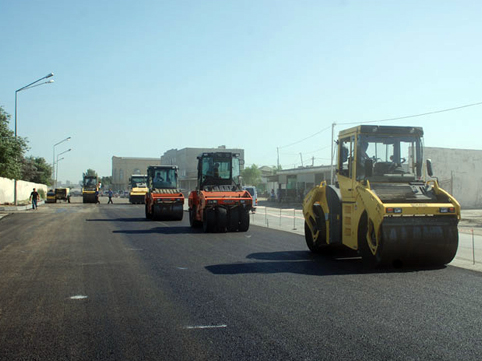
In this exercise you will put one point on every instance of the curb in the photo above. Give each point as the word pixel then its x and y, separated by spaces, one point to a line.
pixel 19 208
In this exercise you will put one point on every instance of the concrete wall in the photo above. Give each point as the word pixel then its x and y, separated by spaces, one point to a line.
pixel 459 172
pixel 23 190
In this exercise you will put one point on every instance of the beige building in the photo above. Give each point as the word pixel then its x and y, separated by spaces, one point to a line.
pixel 186 160
pixel 124 167
pixel 459 171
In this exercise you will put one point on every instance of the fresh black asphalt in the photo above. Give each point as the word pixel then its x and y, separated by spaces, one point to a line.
pixel 100 282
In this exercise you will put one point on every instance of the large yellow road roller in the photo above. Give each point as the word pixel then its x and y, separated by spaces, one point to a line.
pixel 380 204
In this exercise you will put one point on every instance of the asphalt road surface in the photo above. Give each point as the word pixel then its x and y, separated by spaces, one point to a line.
pixel 99 282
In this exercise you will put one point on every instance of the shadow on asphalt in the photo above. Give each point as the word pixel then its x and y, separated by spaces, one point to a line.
pixel 158 230
pixel 333 262
pixel 117 220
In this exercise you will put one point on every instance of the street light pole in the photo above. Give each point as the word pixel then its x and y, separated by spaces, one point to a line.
pixel 31 85
pixel 53 159
pixel 57 171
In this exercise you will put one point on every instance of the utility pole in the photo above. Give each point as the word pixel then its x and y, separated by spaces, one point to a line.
pixel 301 157
pixel 332 149
pixel 277 162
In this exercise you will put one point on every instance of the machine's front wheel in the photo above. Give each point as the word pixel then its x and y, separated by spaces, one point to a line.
pixel 369 245
pixel 222 220
pixel 209 220
pixel 243 221
pixel 148 214
pixel 314 247
pixel 192 218
pixel 233 220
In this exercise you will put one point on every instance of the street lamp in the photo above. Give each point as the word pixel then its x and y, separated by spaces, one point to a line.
pixel 57 172
pixel 53 158
pixel 31 85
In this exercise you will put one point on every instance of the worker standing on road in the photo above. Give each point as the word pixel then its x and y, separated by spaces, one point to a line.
pixel 97 197
pixel 34 196
pixel 110 197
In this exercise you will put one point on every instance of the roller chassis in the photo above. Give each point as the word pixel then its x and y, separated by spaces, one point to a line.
pixel 388 223
pixel 137 198
pixel 219 203
pixel 164 204
pixel 220 211
pixel 422 236
pixel 88 197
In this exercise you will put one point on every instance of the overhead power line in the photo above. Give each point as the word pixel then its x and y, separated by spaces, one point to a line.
pixel 416 115
pixel 387 120
pixel 302 140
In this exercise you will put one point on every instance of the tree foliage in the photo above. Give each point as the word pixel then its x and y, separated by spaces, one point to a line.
pixel 91 173
pixel 11 149
pixel 106 181
pixel 251 175
pixel 37 170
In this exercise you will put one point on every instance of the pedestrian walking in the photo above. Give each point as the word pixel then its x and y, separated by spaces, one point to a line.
pixel 110 197
pixel 97 201
pixel 34 196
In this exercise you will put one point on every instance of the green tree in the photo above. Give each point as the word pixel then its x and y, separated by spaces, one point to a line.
pixel 91 173
pixel 251 175
pixel 106 182
pixel 11 149
pixel 37 170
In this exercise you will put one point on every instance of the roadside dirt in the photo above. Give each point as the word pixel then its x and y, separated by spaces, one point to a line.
pixel 471 221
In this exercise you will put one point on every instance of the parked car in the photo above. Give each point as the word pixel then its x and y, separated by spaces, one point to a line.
pixel 254 195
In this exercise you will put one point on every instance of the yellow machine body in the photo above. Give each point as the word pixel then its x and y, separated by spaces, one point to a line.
pixel 380 206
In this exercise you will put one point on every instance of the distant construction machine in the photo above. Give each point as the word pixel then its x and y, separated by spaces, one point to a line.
pixel 138 188
pixel 58 194
pixel 380 205
pixel 90 189
pixel 164 200
pixel 219 203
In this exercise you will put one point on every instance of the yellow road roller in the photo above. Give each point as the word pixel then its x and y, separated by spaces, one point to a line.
pixel 381 205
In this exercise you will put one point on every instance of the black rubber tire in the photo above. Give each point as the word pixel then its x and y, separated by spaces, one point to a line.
pixel 243 220
pixel 369 259
pixel 192 212
pixel 233 220
pixel 177 212
pixel 320 245
pixel 192 218
pixel 156 212
pixel 221 220
pixel 148 215
pixel 209 220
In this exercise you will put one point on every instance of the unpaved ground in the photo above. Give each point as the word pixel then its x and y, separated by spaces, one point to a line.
pixel 471 221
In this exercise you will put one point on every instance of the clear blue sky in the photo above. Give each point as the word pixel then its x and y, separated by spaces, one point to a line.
pixel 137 78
